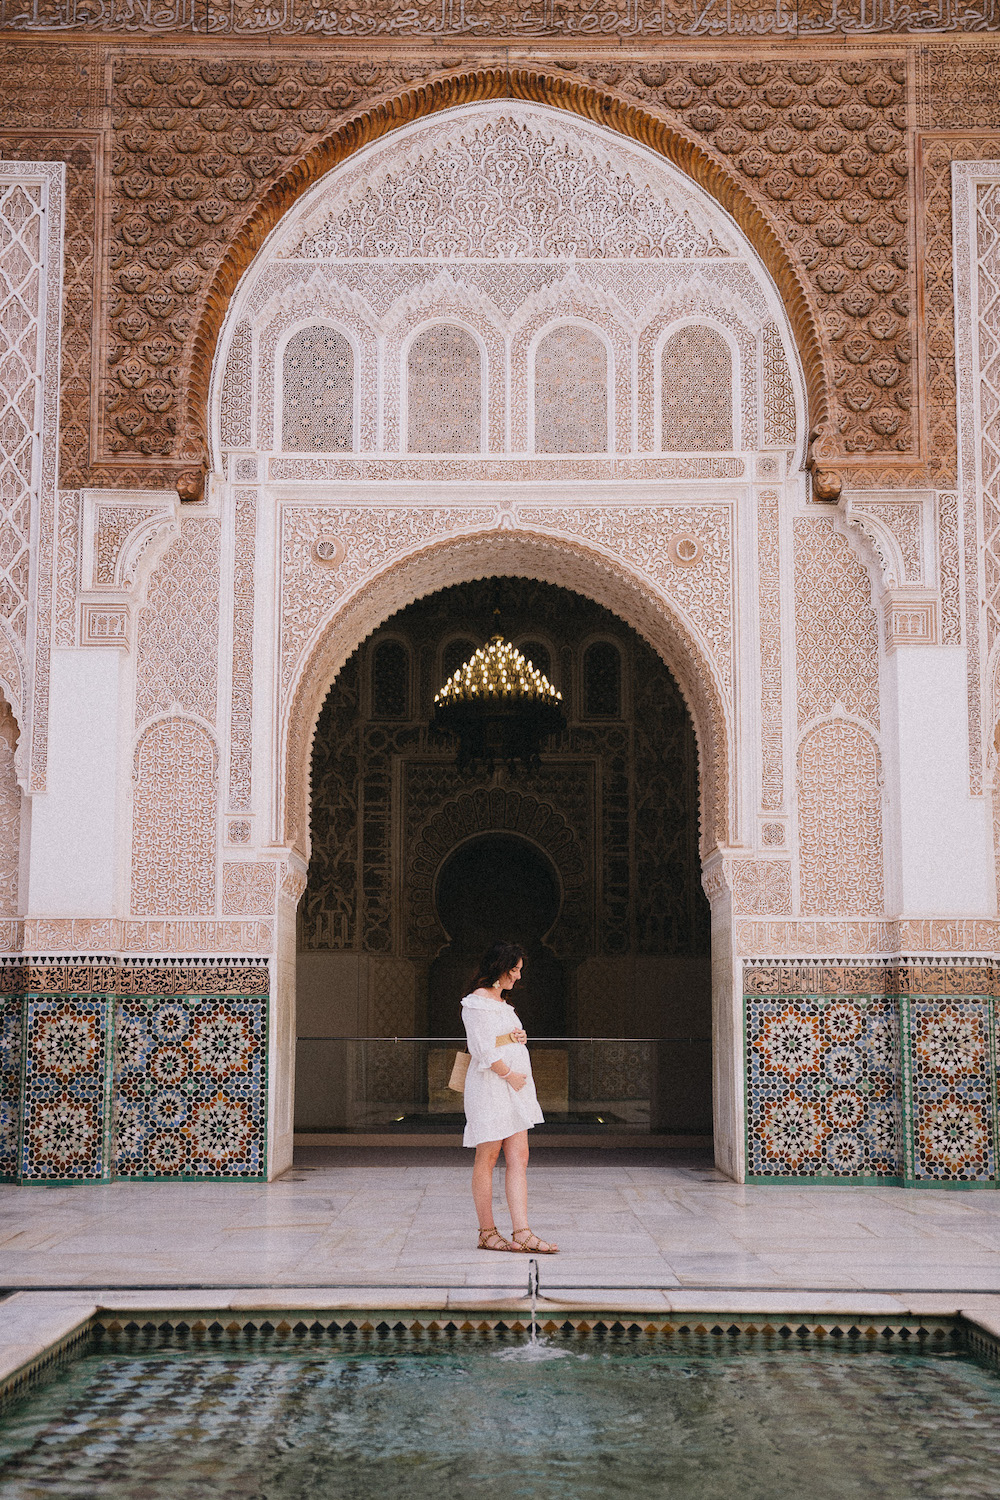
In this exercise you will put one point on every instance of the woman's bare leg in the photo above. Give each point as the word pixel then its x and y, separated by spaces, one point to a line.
pixel 487 1153
pixel 515 1155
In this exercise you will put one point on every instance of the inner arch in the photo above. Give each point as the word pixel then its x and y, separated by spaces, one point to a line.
pixel 599 576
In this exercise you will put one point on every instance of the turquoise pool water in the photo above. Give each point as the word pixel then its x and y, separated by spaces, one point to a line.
pixel 449 1422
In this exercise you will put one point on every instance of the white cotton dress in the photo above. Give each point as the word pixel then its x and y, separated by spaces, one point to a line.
pixel 493 1110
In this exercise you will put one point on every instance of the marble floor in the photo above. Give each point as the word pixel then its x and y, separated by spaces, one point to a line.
pixel 664 1223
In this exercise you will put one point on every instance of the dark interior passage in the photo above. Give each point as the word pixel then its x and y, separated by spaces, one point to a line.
pixel 498 887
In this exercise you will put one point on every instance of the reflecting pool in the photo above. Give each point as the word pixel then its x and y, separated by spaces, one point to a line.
pixel 453 1420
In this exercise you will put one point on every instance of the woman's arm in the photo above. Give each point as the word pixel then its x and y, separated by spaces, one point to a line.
pixel 481 1034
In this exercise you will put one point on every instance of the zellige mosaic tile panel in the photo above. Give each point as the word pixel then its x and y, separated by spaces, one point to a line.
pixel 65 1088
pixel 822 1095
pixel 949 1088
pixel 190 1086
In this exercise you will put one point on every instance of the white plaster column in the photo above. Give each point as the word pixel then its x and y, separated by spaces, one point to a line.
pixel 938 848
pixel 75 823
pixel 728 1063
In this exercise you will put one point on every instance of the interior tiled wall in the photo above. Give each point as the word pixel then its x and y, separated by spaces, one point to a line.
pixel 871 1071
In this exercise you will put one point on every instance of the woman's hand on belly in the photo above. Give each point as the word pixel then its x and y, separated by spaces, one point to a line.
pixel 516 1080
pixel 520 1036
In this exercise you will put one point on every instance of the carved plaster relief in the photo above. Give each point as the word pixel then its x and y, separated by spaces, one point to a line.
pixel 248 889
pixel 836 628
pixel 175 791
pixel 241 691
pixel 448 193
pixel 123 536
pixel 896 533
pixel 976 205
pixel 179 627
pixel 31 246
pixel 772 794
pixel 761 886
pixel 840 820
pixel 10 816
pixel 616 242
pixel 370 536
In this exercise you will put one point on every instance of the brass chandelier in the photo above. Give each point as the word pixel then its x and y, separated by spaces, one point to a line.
pixel 499 708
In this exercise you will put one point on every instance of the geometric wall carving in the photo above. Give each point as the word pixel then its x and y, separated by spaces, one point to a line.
pixel 248 889
pixel 10 815
pixel 175 788
pixel 178 627
pixel 840 821
pixel 697 401
pixel 571 392
pixel 443 391
pixel 22 288
pixel 31 258
pixel 237 391
pixel 836 627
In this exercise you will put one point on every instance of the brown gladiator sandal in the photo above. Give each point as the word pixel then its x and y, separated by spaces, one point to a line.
pixel 493 1234
pixel 540 1247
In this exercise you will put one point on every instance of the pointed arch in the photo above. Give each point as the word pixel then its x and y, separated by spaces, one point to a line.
pixel 523 554
pixel 598 104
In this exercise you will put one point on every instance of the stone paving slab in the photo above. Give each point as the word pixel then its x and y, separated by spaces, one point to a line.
pixel 653 1221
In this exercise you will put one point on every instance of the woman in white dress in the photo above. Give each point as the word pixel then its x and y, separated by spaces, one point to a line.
pixel 500 1101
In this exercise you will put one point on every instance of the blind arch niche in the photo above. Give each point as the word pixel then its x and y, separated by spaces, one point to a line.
pixel 571 391
pixel 696 390
pixel 444 391
pixel 317 382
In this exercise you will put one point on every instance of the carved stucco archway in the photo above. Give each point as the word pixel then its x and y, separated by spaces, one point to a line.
pixel 644 605
pixel 640 601
pixel 617 113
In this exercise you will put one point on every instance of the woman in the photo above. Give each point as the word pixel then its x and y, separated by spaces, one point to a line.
pixel 500 1101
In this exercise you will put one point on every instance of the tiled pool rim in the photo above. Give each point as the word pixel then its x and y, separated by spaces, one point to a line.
pixel 136 1329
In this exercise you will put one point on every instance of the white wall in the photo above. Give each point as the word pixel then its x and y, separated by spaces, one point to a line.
pixel 75 822
pixel 939 860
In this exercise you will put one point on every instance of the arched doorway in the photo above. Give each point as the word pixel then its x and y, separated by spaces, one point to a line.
pixel 497 887
pixel 591 862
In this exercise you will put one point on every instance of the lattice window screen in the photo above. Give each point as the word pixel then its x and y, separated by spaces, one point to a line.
pixel 571 392
pixel 538 655
pixel 390 681
pixel 454 655
pixel 696 391
pixel 602 681
pixel 444 401
pixel 318 408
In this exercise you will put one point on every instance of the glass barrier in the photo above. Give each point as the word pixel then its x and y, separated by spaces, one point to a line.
pixel 585 1085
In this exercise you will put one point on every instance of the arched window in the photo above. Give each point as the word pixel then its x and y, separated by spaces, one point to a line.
pixel 538 654
pixel 696 391
pixel 571 392
pixel 443 392
pixel 391 681
pixel 318 405
pixel 455 655
pixel 602 681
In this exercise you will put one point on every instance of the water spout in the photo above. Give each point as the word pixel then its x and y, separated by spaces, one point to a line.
pixel 533 1294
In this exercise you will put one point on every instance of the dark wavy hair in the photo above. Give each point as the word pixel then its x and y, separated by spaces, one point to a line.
pixel 498 959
